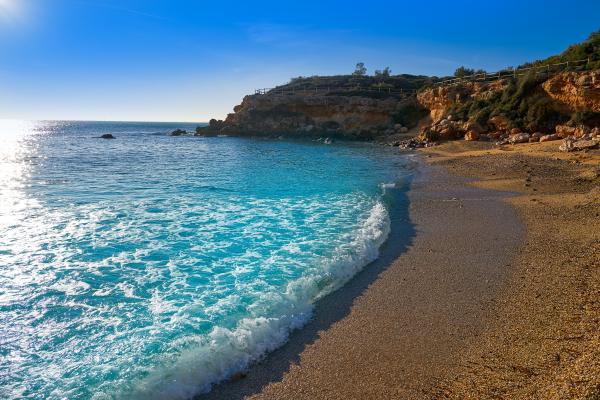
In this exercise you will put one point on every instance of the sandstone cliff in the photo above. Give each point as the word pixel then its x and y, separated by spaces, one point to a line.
pixel 438 100
pixel 351 117
pixel 510 110
pixel 578 91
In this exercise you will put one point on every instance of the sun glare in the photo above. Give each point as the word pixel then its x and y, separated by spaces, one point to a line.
pixel 9 10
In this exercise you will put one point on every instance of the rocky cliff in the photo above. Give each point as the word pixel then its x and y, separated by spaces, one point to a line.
pixel 530 108
pixel 438 100
pixel 578 91
pixel 311 115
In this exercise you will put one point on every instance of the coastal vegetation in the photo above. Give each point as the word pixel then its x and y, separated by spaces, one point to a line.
pixel 379 85
pixel 586 50
pixel 556 97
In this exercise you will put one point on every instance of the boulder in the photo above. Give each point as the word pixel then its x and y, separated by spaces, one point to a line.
pixel 535 137
pixel 500 122
pixel 515 131
pixel 586 144
pixel 404 129
pixel 572 144
pixel 471 135
pixel 107 136
pixel 578 131
pixel 548 138
pixel 518 138
pixel 567 145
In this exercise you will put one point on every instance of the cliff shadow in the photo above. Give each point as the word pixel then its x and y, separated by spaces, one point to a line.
pixel 329 310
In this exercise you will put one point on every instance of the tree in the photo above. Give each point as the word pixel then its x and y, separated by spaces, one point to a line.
pixel 461 72
pixel 383 74
pixel 360 69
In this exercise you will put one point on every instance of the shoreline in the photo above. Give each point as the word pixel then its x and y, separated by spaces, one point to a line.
pixel 395 328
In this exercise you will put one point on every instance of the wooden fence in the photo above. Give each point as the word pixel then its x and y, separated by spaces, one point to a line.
pixel 548 69
pixel 333 90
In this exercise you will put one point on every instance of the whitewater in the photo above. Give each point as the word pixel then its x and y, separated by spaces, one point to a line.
pixel 152 266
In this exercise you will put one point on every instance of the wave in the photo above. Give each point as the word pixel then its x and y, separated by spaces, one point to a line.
pixel 207 360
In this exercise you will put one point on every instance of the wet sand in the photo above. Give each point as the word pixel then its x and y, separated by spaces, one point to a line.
pixel 398 329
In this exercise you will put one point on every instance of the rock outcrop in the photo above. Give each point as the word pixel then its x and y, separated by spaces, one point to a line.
pixel 178 132
pixel 579 91
pixel 438 100
pixel 571 97
pixel 351 117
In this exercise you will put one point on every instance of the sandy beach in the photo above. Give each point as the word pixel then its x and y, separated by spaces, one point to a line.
pixel 492 293
pixel 543 341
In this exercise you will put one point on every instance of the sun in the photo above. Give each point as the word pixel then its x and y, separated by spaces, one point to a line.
pixel 9 10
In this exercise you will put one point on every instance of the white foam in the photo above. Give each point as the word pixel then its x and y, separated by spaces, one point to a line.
pixel 224 352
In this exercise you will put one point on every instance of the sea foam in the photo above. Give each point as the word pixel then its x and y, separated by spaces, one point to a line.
pixel 154 266
pixel 228 351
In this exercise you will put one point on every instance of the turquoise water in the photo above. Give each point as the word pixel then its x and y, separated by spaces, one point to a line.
pixel 153 266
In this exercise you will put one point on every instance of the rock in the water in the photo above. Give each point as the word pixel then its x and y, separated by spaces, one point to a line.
pixel 107 136
pixel 178 132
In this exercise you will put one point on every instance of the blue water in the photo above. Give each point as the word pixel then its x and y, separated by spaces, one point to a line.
pixel 153 266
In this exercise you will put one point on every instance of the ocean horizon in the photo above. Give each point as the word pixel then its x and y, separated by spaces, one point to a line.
pixel 152 266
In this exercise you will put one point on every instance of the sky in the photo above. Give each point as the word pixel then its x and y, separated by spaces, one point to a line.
pixel 180 60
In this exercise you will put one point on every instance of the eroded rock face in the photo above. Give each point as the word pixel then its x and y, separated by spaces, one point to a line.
pixel 564 131
pixel 344 116
pixel 579 91
pixel 439 99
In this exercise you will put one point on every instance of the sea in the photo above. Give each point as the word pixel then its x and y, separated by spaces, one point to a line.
pixel 152 267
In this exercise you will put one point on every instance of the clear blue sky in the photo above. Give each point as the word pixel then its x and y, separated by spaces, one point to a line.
pixel 183 60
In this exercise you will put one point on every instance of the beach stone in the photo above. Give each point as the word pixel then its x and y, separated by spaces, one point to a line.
pixel 585 144
pixel 567 145
pixel 515 131
pixel 548 138
pixel 518 138
pixel 471 135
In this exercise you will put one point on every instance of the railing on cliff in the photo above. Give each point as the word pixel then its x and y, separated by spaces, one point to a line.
pixel 547 69
pixel 324 90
